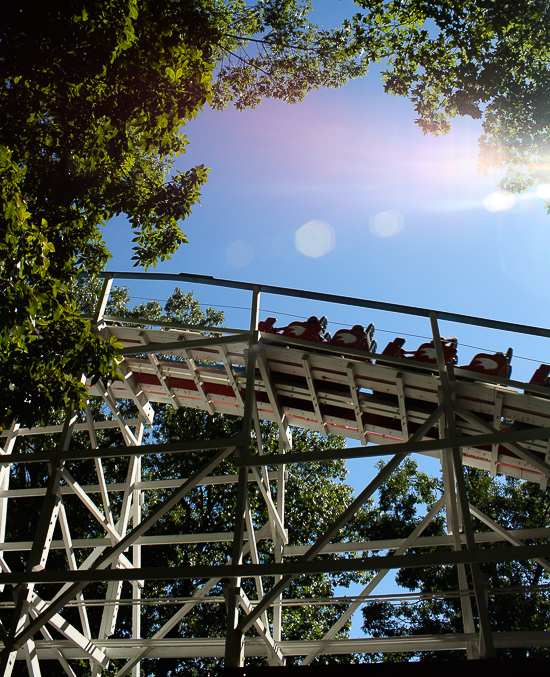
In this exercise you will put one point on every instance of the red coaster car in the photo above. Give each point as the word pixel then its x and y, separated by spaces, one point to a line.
pixel 312 330
pixel 357 338
pixel 497 364
pixel 425 353
pixel 542 376
pixel 395 348
pixel 268 326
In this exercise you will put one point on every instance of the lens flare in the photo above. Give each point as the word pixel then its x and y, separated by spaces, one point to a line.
pixel 500 201
pixel 239 254
pixel 386 224
pixel 544 191
pixel 315 239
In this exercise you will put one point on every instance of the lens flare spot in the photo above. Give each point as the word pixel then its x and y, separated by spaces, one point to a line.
pixel 387 224
pixel 315 239
pixel 239 254
pixel 499 201
pixel 543 191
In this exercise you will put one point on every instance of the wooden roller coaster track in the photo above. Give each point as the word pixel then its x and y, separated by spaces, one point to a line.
pixel 388 406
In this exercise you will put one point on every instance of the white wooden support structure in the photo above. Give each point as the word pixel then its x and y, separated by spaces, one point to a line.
pixel 100 583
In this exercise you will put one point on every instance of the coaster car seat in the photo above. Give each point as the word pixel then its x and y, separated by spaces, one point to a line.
pixel 497 364
pixel 357 338
pixel 425 353
pixel 541 377
pixel 312 330
pixel 395 348
pixel 268 326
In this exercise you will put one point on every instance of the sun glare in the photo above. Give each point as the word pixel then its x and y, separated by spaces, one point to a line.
pixel 239 254
pixel 387 224
pixel 315 239
pixel 499 201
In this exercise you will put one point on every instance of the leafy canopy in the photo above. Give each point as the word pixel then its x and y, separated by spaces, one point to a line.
pixel 487 60
pixel 93 97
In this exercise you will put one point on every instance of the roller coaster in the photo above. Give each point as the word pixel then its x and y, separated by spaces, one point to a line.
pixel 303 380
pixel 388 404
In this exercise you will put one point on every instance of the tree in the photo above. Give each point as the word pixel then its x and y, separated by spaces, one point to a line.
pixel 486 60
pixel 518 591
pixel 90 118
pixel 272 49
pixel 94 96
pixel 316 492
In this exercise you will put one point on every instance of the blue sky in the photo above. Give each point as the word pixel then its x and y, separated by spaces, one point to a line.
pixel 343 194
pixel 393 215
